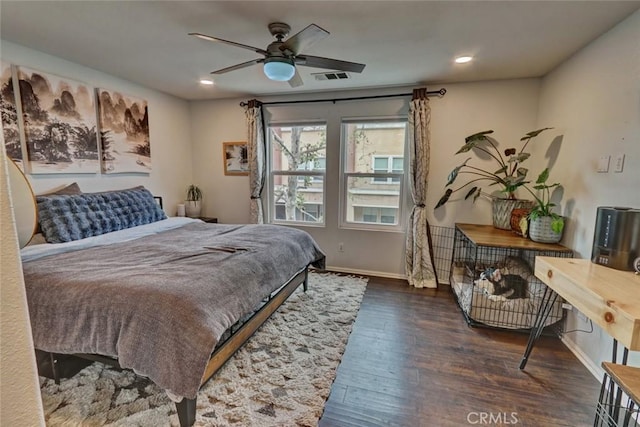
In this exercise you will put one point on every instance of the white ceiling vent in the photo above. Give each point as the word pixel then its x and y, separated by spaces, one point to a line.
pixel 334 75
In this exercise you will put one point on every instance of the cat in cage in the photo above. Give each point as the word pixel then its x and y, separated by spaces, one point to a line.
pixel 502 287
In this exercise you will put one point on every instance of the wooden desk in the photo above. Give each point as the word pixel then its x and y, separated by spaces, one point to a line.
pixel 609 297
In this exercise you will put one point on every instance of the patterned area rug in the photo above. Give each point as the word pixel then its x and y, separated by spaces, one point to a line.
pixel 281 377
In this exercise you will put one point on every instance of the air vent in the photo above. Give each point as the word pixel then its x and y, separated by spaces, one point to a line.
pixel 331 76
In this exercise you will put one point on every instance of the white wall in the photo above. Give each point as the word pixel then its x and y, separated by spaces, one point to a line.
pixel 593 100
pixel 212 123
pixel 169 128
pixel 20 403
pixel 508 107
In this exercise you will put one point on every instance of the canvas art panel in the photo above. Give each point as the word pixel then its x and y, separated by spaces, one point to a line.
pixel 59 123
pixel 235 156
pixel 9 111
pixel 124 133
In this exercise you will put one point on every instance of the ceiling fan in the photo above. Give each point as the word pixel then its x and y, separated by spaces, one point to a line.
pixel 281 57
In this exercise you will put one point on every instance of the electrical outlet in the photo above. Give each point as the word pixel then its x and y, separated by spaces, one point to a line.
pixel 340 247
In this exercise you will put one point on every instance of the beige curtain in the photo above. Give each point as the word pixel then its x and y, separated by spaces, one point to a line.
pixel 419 265
pixel 256 157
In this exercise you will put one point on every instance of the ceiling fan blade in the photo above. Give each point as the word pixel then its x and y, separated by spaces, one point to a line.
pixel 305 38
pixel 296 80
pixel 328 63
pixel 238 66
pixel 216 39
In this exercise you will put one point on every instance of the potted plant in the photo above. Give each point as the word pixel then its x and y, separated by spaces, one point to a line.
pixel 509 176
pixel 545 226
pixel 193 204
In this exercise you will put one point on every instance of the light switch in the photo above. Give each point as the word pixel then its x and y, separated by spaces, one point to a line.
pixel 603 164
pixel 618 163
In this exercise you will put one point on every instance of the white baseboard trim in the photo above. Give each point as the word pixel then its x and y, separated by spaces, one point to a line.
pixel 366 272
pixel 595 370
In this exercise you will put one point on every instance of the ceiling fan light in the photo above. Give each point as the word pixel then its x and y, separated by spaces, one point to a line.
pixel 463 59
pixel 280 69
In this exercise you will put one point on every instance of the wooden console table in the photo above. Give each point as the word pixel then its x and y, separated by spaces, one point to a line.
pixel 609 297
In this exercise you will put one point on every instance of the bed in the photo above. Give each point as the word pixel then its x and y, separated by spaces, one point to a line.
pixel 170 298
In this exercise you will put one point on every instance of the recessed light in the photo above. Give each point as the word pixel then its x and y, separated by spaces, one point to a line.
pixel 206 82
pixel 463 59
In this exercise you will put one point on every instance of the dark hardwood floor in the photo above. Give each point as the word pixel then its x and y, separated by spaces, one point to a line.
pixel 412 360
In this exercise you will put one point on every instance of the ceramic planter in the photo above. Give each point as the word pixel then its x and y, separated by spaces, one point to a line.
pixel 501 209
pixel 193 208
pixel 540 230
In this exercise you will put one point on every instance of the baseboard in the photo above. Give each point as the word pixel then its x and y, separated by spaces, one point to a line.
pixel 595 370
pixel 366 272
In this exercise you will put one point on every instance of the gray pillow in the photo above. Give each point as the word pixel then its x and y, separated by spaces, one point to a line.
pixel 68 217
pixel 72 188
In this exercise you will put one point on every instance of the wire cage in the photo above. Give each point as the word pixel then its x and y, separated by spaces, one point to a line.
pixel 608 414
pixel 442 251
pixel 617 403
pixel 514 300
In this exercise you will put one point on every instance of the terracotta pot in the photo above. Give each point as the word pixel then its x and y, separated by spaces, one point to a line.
pixel 518 215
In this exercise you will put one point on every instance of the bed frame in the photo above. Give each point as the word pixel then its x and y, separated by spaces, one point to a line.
pixel 187 407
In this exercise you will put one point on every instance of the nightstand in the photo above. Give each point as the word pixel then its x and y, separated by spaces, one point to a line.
pixel 208 219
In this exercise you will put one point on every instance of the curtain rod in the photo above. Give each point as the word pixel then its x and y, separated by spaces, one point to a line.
pixel 439 93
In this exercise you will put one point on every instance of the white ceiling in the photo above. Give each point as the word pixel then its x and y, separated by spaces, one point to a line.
pixel 402 42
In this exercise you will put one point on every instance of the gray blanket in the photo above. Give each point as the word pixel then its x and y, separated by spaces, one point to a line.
pixel 161 303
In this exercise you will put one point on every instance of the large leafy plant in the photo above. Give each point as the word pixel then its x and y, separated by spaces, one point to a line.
pixel 510 175
pixel 543 205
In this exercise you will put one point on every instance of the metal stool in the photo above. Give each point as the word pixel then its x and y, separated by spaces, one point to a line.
pixel 610 411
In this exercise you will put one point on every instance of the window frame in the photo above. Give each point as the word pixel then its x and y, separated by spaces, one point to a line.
pixel 402 178
pixel 316 176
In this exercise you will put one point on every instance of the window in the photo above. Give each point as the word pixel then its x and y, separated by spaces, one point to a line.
pixel 375 215
pixel 390 164
pixel 297 163
pixel 372 181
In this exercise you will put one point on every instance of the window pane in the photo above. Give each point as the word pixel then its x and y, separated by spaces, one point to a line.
pixel 380 164
pixel 388 216
pixel 373 140
pixel 398 164
pixel 297 147
pixel 367 202
pixel 387 219
pixel 298 198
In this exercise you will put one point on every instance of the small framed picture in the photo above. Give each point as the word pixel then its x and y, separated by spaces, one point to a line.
pixel 236 158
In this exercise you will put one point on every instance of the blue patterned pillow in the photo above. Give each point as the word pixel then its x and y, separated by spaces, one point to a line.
pixel 64 218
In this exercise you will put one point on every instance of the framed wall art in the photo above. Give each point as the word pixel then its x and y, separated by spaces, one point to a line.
pixel 59 123
pixel 235 156
pixel 124 133
pixel 9 111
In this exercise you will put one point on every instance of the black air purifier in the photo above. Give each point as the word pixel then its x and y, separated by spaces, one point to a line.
pixel 616 241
